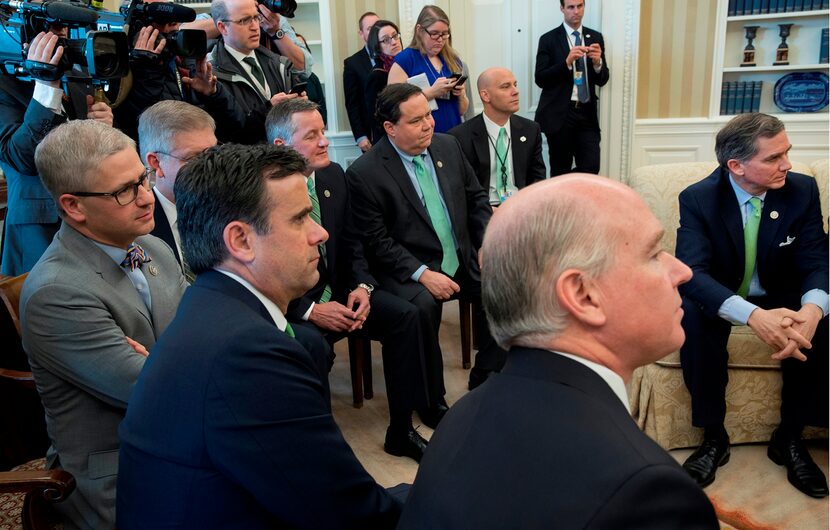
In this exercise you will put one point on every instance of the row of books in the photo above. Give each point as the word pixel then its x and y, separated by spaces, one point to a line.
pixel 737 97
pixel 738 8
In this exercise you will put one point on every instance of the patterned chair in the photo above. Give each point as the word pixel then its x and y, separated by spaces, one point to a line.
pixel 660 403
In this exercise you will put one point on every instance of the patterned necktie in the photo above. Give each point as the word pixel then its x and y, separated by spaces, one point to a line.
pixel 582 85
pixel 250 61
pixel 753 221
pixel 136 257
pixel 315 215
pixel 501 160
pixel 440 223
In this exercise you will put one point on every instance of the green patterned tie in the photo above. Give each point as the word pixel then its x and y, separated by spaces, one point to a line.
pixel 315 215
pixel 289 330
pixel 440 223
pixel 501 160
pixel 753 221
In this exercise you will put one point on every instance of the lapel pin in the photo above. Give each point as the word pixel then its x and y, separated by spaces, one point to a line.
pixel 439 164
pixel 153 270
pixel 327 193
pixel 588 36
pixel 773 214
pixel 523 139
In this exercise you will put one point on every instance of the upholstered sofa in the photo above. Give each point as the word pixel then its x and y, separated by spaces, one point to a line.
pixel 660 402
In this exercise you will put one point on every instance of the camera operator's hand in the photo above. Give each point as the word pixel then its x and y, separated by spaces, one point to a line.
pixel 145 41
pixel 44 49
pixel 276 99
pixel 99 111
pixel 203 81
pixel 270 20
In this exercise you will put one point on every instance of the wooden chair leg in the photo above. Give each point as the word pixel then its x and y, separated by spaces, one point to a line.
pixel 356 368
pixel 465 321
pixel 368 390
pixel 475 329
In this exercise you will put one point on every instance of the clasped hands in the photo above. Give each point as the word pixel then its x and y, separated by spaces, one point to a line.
pixel 786 330
pixel 335 316
pixel 594 52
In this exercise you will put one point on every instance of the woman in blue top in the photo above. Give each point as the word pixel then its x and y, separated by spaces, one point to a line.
pixel 431 53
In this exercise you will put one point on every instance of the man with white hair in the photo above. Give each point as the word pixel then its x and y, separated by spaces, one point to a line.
pixel 576 284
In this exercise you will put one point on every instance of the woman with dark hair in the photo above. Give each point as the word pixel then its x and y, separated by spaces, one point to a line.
pixel 431 53
pixel 384 43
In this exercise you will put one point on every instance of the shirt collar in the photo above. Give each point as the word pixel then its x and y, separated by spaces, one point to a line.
pixel 168 207
pixel 741 194
pixel 493 127
pixel 569 30
pixel 238 55
pixel 406 156
pixel 115 253
pixel 270 306
pixel 609 376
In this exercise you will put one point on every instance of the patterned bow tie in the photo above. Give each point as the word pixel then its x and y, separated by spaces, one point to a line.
pixel 135 257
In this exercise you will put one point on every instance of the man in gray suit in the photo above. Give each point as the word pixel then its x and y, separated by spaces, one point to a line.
pixel 93 305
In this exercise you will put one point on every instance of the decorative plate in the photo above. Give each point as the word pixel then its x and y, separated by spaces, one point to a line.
pixel 802 92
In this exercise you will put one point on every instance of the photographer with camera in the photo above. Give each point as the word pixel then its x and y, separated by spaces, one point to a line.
pixel 256 77
pixel 28 111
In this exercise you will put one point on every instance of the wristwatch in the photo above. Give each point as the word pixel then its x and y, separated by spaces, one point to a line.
pixel 278 35
pixel 368 288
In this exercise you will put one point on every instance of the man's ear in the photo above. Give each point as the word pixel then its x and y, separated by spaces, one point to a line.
pixel 581 297
pixel 223 30
pixel 72 207
pixel 389 127
pixel 484 95
pixel 278 141
pixel 152 161
pixel 239 240
pixel 735 167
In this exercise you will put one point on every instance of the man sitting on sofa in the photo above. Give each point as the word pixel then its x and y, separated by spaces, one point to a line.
pixel 752 234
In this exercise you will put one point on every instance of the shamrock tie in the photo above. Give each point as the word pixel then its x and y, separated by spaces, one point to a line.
pixel 440 223
pixel 135 257
pixel 501 160
pixel 255 69
pixel 582 85
pixel 315 215
pixel 753 221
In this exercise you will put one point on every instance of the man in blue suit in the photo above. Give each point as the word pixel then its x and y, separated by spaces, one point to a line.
pixel 229 424
pixel 752 234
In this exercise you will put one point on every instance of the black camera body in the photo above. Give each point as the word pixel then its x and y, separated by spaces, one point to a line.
pixel 188 44
pixel 284 8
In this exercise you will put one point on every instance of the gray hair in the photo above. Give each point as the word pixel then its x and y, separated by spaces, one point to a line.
pixel 738 139
pixel 524 255
pixel 68 157
pixel 279 122
pixel 218 10
pixel 159 125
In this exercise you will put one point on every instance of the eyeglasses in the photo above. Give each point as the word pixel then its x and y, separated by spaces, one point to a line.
pixel 390 39
pixel 247 20
pixel 437 35
pixel 125 195
pixel 185 159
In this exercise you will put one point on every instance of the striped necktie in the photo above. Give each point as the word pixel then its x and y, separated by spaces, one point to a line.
pixel 315 215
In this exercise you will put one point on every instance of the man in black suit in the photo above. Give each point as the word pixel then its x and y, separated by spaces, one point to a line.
pixel 570 65
pixel 752 233
pixel 575 284
pixel 506 158
pixel 170 133
pixel 339 303
pixel 356 70
pixel 229 425
pixel 422 214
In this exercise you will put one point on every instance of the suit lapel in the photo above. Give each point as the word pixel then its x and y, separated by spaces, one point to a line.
pixel 321 187
pixel 771 225
pixel 163 230
pixel 394 166
pixel 442 171
pixel 481 145
pixel 730 213
pixel 518 146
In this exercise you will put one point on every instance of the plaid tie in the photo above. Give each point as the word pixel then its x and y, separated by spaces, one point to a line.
pixel 135 257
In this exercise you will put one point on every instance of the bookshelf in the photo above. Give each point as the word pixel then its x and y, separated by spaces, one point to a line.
pixel 804 48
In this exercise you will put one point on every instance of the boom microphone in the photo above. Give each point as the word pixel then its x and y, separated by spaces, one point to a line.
pixel 56 11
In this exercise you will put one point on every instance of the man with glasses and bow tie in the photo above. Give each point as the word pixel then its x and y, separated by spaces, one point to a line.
pixel 93 305
pixel 570 65
pixel 256 77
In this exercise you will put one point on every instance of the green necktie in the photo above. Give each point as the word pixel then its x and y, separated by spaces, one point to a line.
pixel 315 215
pixel 440 223
pixel 289 330
pixel 753 221
pixel 501 161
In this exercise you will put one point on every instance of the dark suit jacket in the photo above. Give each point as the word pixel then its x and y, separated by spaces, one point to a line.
pixel 556 80
pixel 710 241
pixel 525 146
pixel 32 217
pixel 356 69
pixel 393 221
pixel 163 230
pixel 561 451
pixel 345 265
pixel 245 438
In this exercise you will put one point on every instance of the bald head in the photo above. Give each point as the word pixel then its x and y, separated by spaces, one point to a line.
pixel 499 93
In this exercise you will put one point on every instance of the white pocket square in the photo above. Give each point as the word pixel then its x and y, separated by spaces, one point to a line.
pixel 787 242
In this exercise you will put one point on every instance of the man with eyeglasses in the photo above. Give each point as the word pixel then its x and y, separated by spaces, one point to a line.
pixel 356 70
pixel 170 133
pixel 256 77
pixel 93 305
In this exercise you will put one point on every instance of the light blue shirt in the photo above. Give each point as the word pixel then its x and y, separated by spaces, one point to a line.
pixel 136 277
pixel 409 166
pixel 737 310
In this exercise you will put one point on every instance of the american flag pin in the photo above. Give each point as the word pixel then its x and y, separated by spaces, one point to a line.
pixel 154 270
